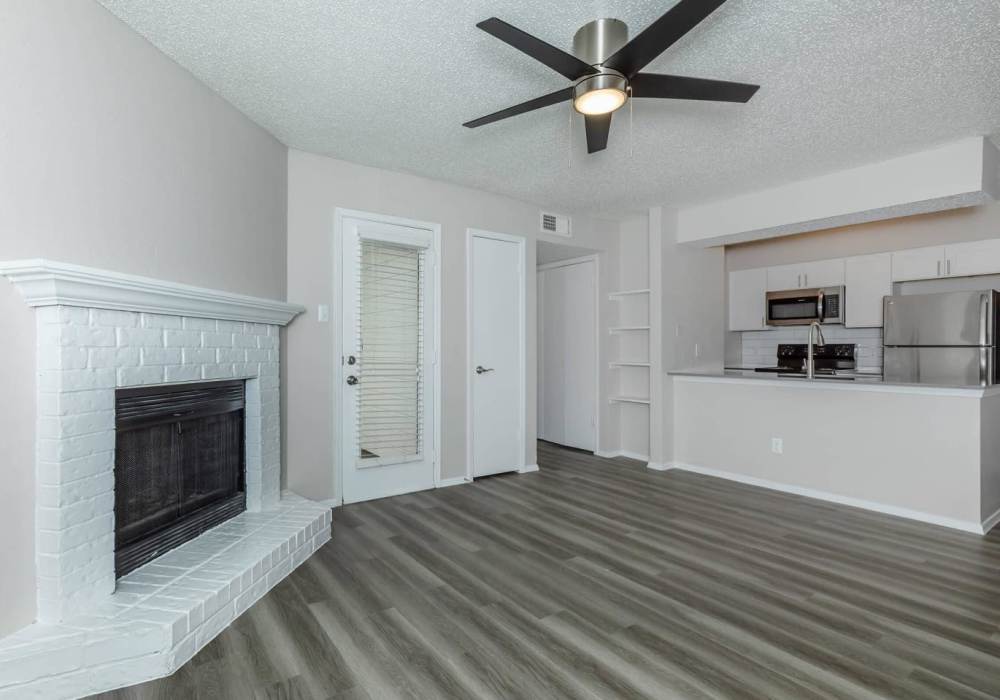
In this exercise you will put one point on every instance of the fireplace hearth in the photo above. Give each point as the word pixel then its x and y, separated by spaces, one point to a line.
pixel 179 466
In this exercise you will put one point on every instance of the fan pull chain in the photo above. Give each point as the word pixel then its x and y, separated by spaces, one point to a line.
pixel 631 130
pixel 569 148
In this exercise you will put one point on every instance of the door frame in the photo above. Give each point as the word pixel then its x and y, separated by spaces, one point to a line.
pixel 522 243
pixel 337 318
pixel 596 259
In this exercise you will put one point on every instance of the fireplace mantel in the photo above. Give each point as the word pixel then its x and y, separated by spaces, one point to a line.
pixel 49 283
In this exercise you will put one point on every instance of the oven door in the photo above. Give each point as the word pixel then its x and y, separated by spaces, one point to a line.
pixel 796 307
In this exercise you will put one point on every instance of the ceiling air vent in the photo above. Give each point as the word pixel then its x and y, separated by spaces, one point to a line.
pixel 555 223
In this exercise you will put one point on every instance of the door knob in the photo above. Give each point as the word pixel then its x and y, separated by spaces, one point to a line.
pixel 352 380
pixel 482 370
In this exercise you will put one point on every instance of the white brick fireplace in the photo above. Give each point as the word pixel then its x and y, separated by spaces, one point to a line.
pixel 97 332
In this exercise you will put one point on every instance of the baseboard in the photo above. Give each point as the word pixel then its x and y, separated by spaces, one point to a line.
pixel 963 525
pixel 991 522
pixel 660 466
pixel 452 481
pixel 528 469
pixel 623 453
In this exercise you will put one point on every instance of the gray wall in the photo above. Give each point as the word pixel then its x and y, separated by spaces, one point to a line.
pixel 316 187
pixel 693 313
pixel 113 156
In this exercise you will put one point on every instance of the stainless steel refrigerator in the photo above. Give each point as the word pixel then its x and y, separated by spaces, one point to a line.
pixel 945 339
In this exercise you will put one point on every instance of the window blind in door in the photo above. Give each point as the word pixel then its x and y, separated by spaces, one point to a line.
pixel 390 352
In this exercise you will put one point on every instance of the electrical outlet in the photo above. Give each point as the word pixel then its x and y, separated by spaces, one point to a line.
pixel 323 313
pixel 777 445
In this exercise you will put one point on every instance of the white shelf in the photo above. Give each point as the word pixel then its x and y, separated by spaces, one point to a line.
pixel 629 399
pixel 627 293
pixel 628 364
pixel 621 329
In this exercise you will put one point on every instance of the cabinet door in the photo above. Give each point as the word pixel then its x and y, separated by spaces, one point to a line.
pixel 746 299
pixel 784 277
pixel 867 279
pixel 823 273
pixel 975 258
pixel 918 264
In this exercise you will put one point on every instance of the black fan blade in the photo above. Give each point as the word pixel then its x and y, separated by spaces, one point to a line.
pixel 598 126
pixel 678 87
pixel 660 35
pixel 558 60
pixel 537 103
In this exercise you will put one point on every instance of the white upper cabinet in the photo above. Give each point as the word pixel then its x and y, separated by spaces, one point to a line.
pixel 784 277
pixel 867 279
pixel 975 258
pixel 822 273
pixel 746 299
pixel 918 264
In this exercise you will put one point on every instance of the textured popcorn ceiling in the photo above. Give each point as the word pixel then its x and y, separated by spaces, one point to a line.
pixel 389 83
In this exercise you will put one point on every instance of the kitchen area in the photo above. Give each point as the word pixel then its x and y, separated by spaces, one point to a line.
pixel 867 380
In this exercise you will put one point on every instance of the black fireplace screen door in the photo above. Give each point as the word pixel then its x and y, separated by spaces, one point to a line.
pixel 179 466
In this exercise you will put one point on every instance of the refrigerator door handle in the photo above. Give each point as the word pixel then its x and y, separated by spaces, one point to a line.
pixel 984 305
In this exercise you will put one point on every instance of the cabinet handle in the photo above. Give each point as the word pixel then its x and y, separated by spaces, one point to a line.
pixel 805 280
pixel 947 267
pixel 939 268
pixel 798 280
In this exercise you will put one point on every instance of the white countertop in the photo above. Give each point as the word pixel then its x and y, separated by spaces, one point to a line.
pixel 854 382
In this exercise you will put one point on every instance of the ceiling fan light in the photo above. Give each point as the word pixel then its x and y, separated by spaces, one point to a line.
pixel 600 94
pixel 599 101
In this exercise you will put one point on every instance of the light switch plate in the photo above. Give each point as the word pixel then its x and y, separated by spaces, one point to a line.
pixel 777 446
pixel 323 313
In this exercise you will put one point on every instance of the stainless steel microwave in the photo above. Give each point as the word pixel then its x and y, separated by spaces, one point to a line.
pixel 800 307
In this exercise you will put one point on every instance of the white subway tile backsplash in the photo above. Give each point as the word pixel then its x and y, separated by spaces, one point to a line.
pixel 760 348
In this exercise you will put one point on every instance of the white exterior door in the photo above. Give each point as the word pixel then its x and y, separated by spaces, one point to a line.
pixel 567 377
pixel 497 346
pixel 388 359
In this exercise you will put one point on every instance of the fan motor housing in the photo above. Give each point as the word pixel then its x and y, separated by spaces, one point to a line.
pixel 595 42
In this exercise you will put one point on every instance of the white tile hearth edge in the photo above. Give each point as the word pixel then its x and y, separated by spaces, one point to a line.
pixel 164 612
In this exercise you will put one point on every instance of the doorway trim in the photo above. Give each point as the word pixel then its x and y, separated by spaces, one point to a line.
pixel 337 317
pixel 521 241
pixel 596 259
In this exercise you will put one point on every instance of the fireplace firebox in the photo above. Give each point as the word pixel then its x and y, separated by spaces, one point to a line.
pixel 179 466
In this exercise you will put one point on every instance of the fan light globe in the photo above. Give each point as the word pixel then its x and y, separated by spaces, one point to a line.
pixel 599 101
pixel 600 94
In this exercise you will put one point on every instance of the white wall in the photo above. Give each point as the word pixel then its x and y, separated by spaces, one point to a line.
pixel 958 174
pixel 115 157
pixel 316 187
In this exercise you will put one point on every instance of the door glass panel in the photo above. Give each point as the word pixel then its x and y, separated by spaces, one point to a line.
pixel 390 354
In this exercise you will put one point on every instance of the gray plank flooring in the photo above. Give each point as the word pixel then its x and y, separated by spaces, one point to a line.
pixel 595 578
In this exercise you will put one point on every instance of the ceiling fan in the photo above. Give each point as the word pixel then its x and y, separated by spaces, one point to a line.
pixel 605 69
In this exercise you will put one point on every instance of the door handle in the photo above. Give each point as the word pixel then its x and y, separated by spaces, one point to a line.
pixel 483 370
pixel 352 380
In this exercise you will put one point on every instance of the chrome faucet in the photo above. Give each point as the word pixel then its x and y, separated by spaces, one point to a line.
pixel 810 357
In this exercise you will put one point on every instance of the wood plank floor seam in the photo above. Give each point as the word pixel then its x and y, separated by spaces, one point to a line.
pixel 597 578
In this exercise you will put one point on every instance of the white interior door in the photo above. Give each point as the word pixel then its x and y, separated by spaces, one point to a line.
pixel 496 318
pixel 551 370
pixel 581 355
pixel 568 361
pixel 388 359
